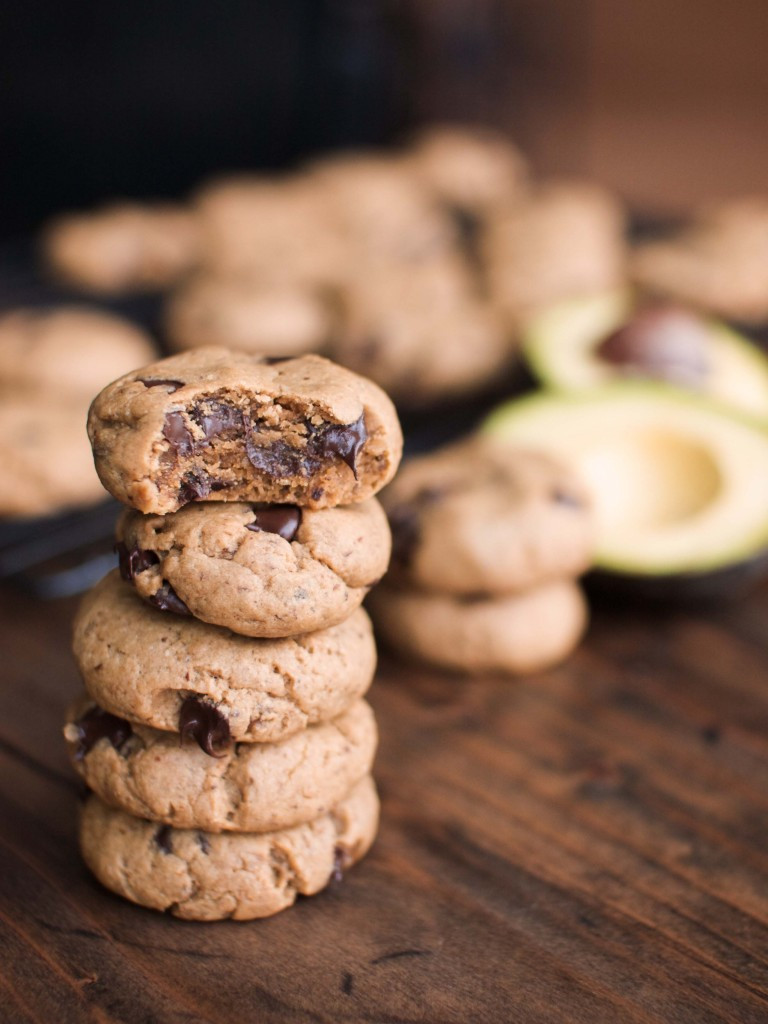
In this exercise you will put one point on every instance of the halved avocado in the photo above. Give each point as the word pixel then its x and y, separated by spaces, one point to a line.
pixel 679 484
pixel 584 343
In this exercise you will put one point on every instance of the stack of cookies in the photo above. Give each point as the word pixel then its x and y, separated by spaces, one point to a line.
pixel 487 545
pixel 223 732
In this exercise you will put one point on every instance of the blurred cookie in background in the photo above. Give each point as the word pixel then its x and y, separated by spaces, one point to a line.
pixel 270 229
pixel 383 211
pixel 422 333
pixel 486 548
pixel 472 518
pixel 123 247
pixel 52 363
pixel 474 169
pixel 718 262
pixel 280 319
pixel 45 459
pixel 565 239
pixel 70 352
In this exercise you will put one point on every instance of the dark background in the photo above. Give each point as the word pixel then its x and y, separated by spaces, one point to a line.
pixel 666 102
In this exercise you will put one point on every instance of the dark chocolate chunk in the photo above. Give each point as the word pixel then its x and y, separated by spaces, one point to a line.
pixel 217 418
pixel 134 560
pixel 345 440
pixel 172 385
pixel 176 431
pixel 280 459
pixel 193 487
pixel 662 342
pixel 283 520
pixel 204 723
pixel 98 724
pixel 203 843
pixel 167 600
pixel 163 838
pixel 272 360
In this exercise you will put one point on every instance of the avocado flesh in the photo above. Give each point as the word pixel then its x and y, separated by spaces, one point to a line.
pixel 560 346
pixel 679 484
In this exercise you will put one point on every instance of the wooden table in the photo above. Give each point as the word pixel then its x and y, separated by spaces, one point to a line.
pixel 587 846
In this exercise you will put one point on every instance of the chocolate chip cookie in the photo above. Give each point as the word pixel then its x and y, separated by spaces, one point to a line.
pixel 251 787
pixel 515 634
pixel 565 239
pixel 46 461
pixel 160 667
pixel 473 168
pixel 212 424
pixel 207 876
pixel 472 519
pixel 259 570
pixel 69 352
pixel 123 247
pixel 247 315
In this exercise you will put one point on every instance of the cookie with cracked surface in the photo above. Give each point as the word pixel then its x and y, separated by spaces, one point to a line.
pixel 212 424
pixel 259 570
pixel 46 462
pixel 514 634
pixel 179 674
pixel 471 518
pixel 208 876
pixel 70 352
pixel 247 315
pixel 123 247
pixel 254 787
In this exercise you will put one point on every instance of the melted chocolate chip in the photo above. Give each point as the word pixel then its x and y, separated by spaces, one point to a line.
pixel 203 843
pixel 134 560
pixel 177 433
pixel 346 441
pixel 280 459
pixel 273 360
pixel 217 418
pixel 662 342
pixel 172 385
pixel 193 487
pixel 204 723
pixel 284 520
pixel 98 724
pixel 163 838
pixel 167 600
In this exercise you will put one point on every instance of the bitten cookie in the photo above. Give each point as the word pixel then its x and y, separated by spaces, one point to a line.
pixel 519 634
pixel 123 247
pixel 46 462
pixel 173 672
pixel 470 519
pixel 247 315
pixel 271 570
pixel 211 424
pixel 68 352
pixel 252 787
pixel 209 876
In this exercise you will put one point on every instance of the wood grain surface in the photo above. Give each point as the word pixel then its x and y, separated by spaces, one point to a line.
pixel 590 845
